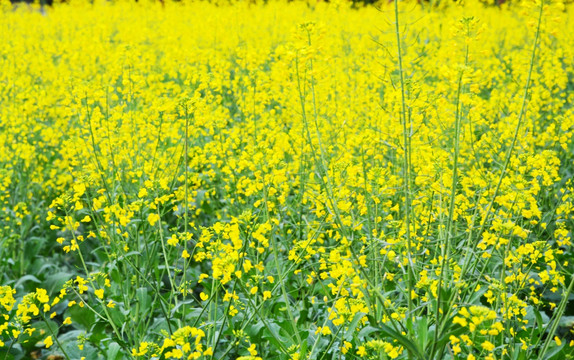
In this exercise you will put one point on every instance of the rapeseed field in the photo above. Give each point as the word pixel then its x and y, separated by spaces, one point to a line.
pixel 287 180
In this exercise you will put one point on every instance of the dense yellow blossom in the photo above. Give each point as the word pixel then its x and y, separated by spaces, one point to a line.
pixel 286 180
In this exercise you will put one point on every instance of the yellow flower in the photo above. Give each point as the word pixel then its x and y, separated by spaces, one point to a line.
pixel 173 241
pixel 142 350
pixel 153 218
pixel 174 354
pixel 99 293
pixel 487 345
pixel 323 330
pixel 42 296
pixel 346 346
pixel 48 342
pixel 252 350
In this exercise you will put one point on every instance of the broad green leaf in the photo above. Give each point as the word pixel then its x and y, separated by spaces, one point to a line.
pixel 353 326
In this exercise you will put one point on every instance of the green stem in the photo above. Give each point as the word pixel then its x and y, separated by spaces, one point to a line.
pixel 515 137
pixel 55 336
pixel 556 319
pixel 406 172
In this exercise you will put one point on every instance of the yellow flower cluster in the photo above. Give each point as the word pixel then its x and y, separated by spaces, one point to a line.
pixel 288 179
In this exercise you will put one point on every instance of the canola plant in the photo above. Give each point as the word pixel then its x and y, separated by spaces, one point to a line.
pixel 286 180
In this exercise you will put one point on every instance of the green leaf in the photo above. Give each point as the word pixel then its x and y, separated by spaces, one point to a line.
pixel 304 346
pixel 42 331
pixel 555 353
pixel 353 326
pixel 366 331
pixel 26 278
pixel 422 332
pixel 271 333
pixel 98 331
pixel 113 351
pixel 82 317
pixel 254 330
pixel 88 352
pixel 117 316
pixel 403 340
pixel 70 336
pixel 540 319
pixel 54 282
pixel 567 322
pixel 144 300
pixel 14 353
